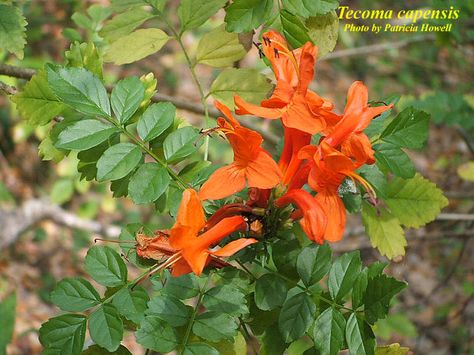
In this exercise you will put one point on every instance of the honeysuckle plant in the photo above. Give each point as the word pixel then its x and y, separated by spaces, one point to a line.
pixel 247 264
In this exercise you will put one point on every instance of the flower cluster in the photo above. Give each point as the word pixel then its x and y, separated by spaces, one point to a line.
pixel 342 149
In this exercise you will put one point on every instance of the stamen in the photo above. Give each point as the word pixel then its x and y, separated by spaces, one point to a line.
pixel 275 51
pixel 370 190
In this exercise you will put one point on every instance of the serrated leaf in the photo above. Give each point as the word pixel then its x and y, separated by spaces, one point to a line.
pixel 131 303
pixel 408 129
pixel 193 13
pixel 85 55
pixel 62 191
pixel 308 8
pixel 179 144
pixel 285 255
pixel 64 334
pixel 270 292
pixel 80 89
pixel 384 231
pixel 139 44
pixel 36 102
pixel 12 30
pixel 148 183
pixel 395 324
pixel 47 151
pixel 392 158
pixel 272 342
pixel 294 30
pixel 118 161
pixel 122 24
pixel 126 98
pixel 155 120
pixel 329 330
pixel 219 48
pixel 7 321
pixel 323 31
pixel 245 15
pixel 359 288
pixel 343 273
pixel 75 295
pixel 380 291
pixel 226 299
pixel 247 83
pixel 182 287
pixel 156 335
pixel 359 336
pixel 169 309
pixel 392 349
pixel 296 316
pixel 84 134
pixel 97 350
pixel 106 327
pixel 415 201
pixel 313 263
pixel 105 266
pixel 215 326
pixel 200 349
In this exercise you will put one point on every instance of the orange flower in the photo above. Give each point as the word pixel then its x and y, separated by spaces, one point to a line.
pixel 291 100
pixel 193 249
pixel 313 219
pixel 252 164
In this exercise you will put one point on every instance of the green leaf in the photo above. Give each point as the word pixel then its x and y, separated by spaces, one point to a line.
pixel 359 336
pixel 155 120
pixel 329 332
pixel 105 266
pixel 193 13
pixel 75 295
pixel 296 316
pixel 62 191
pixel 126 98
pixel 148 183
pixel 343 273
pixel 408 129
pixel 285 254
pixel 308 8
pixel 139 44
pixel 215 326
pixel 156 335
pixel 245 15
pixel 384 231
pixel 179 144
pixel 7 321
pixel 12 30
pixel 226 299
pixel 182 287
pixel 392 158
pixel 219 48
pixel 80 89
pixel 415 201
pixel 200 349
pixel 87 165
pixel 359 288
pixel 380 291
pixel 64 334
pixel 97 350
pixel 122 24
pixel 271 341
pixel 131 303
pixel 294 30
pixel 106 327
pixel 392 349
pixel 169 309
pixel 247 83
pixel 397 324
pixel 313 263
pixel 36 102
pixel 323 31
pixel 85 55
pixel 118 161
pixel 84 134
pixel 466 171
pixel 270 292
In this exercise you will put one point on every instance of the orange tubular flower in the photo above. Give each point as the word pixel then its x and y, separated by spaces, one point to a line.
pixel 193 249
pixel 291 100
pixel 252 164
pixel 313 220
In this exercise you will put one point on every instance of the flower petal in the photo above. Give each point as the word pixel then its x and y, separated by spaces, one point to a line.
pixel 233 247
pixel 246 108
pixel 298 115
pixel 223 182
pixel 263 172
pixel 334 208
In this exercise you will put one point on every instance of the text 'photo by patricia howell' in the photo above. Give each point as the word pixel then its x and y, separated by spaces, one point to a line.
pixel 234 177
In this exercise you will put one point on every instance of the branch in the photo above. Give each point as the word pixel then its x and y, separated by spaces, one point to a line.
pixel 31 212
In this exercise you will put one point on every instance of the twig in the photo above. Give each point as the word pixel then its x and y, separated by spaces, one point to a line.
pixel 455 217
pixel 31 212
pixel 7 89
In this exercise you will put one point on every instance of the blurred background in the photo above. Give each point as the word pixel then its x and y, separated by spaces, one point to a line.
pixel 52 216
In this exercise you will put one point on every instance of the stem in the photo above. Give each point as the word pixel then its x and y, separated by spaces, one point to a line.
pixel 193 316
pixel 247 335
